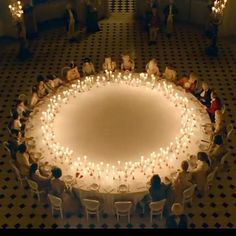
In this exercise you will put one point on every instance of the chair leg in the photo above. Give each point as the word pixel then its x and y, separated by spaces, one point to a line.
pixel 129 218
pixel 38 195
pixel 52 211
pixel 61 213
pixel 151 217
pixel 98 217
pixel 117 217
pixel 87 215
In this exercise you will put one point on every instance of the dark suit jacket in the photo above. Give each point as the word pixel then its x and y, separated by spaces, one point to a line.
pixel 171 223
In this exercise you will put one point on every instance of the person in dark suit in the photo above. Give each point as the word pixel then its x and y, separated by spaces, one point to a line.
pixel 92 16
pixel 204 96
pixel 177 220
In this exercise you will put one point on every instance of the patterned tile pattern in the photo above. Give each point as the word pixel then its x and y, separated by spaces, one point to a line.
pixel 51 51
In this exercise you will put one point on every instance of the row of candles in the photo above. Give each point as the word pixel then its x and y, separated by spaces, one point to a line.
pixel 165 158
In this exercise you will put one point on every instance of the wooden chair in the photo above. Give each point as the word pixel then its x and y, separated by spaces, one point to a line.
pixel 188 194
pixel 34 188
pixel 92 207
pixel 223 161
pixel 6 147
pixel 123 208
pixel 56 204
pixel 24 98
pixel 156 208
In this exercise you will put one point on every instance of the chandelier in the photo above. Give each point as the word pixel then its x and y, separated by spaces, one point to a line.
pixel 16 10
pixel 218 7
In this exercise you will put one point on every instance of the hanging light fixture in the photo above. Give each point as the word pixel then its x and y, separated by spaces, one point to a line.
pixel 16 10
pixel 218 7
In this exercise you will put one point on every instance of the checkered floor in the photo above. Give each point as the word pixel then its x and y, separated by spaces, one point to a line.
pixel 51 51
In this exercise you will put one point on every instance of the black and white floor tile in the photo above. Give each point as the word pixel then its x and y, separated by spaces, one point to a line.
pixel 51 51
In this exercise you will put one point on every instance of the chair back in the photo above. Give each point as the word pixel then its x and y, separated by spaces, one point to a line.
pixel 64 71
pixel 157 206
pixel 123 207
pixel 23 98
pixel 224 158
pixel 188 193
pixel 230 129
pixel 56 202
pixel 223 109
pixel 91 205
pixel 33 185
pixel 6 146
pixel 17 171
pixel 211 177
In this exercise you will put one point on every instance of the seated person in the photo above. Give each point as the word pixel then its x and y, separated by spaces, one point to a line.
pixel 23 159
pixel 42 181
pixel 16 123
pixel 158 191
pixel 204 95
pixel 177 219
pixel 215 105
pixel 182 181
pixel 21 109
pixel 34 98
pixel 217 151
pixel 72 73
pixel 109 65
pixel 127 64
pixel 53 82
pixel 152 68
pixel 170 74
pixel 88 67
pixel 15 140
pixel 59 189
pixel 199 174
pixel 188 83
pixel 42 90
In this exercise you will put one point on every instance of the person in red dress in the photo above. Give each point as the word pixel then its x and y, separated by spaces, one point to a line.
pixel 215 105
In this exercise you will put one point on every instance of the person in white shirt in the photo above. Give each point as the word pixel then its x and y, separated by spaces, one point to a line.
pixel 72 73
pixel 109 65
pixel 127 64
pixel 152 68
pixel 182 181
pixel 34 98
pixel 88 67
pixel 169 73
pixel 199 174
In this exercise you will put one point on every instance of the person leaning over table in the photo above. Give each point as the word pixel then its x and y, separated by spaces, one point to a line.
pixel 34 99
pixel 215 105
pixel 182 181
pixel 42 181
pixel 59 189
pixel 53 82
pixel 169 73
pixel 127 64
pixel 88 67
pixel 204 96
pixel 22 110
pixel 152 68
pixel 177 219
pixel 199 174
pixel 73 72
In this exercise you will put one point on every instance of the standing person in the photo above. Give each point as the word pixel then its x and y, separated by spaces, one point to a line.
pixel 70 22
pixel 177 219
pixel 153 25
pixel 169 12
pixel 92 16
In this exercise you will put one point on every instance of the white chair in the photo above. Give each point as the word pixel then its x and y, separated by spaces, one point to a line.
pixel 230 129
pixel 18 175
pixel 223 109
pixel 157 208
pixel 91 208
pixel 188 194
pixel 123 208
pixel 210 179
pixel 34 188
pixel 56 204
pixel 224 159
pixel 64 71
pixel 6 147
pixel 23 98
